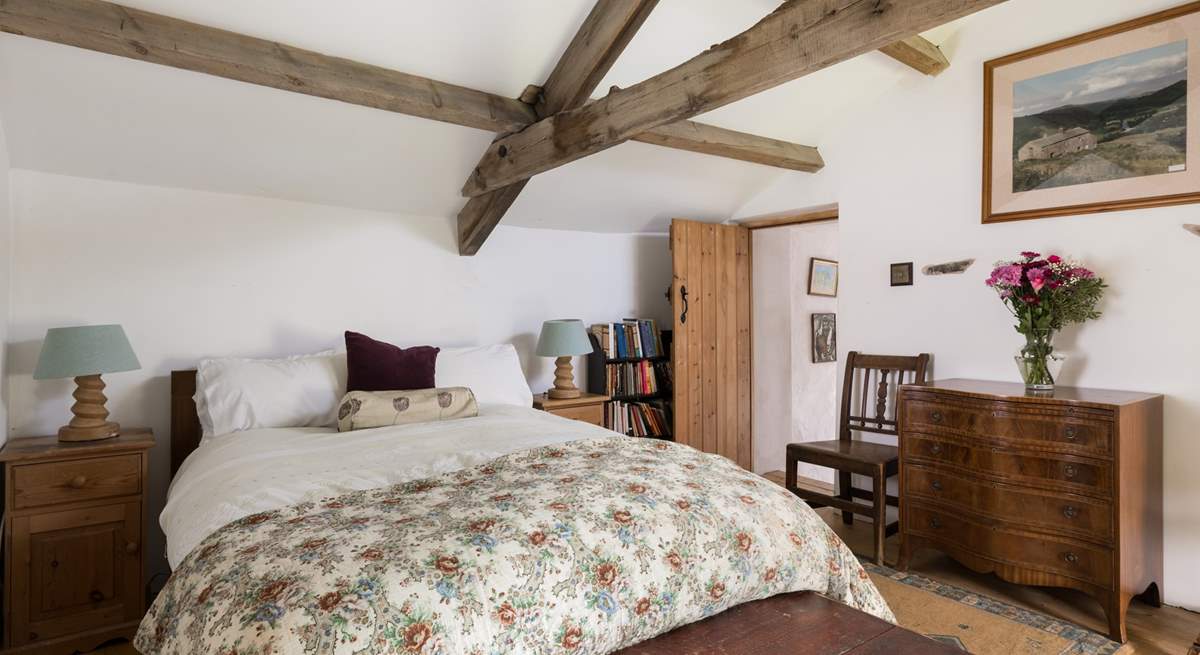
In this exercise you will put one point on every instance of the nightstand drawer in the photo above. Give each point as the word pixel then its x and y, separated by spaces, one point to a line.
pixel 593 414
pixel 54 483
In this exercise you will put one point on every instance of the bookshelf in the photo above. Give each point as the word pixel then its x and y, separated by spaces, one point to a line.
pixel 642 411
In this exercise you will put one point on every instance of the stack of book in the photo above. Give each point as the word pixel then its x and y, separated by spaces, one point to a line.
pixel 630 339
pixel 631 379
pixel 637 419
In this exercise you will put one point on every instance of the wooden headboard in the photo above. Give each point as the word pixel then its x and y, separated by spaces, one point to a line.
pixel 185 422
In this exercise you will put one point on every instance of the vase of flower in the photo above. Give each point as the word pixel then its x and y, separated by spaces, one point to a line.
pixel 1044 294
pixel 1038 363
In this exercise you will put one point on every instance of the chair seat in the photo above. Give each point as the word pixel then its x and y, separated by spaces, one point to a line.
pixel 859 455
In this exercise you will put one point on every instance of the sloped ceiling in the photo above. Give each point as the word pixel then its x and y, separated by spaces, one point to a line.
pixel 77 112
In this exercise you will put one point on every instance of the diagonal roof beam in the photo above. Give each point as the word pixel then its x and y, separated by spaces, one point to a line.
pixel 798 38
pixel 601 38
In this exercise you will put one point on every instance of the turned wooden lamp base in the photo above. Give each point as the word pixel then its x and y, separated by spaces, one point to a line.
pixel 564 380
pixel 90 421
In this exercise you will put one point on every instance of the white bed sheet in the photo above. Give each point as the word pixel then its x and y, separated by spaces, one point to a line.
pixel 240 474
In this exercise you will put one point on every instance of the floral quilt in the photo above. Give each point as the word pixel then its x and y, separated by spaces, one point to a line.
pixel 585 547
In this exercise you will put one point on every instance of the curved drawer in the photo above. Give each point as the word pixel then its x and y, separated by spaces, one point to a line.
pixel 1061 430
pixel 1077 474
pixel 1068 514
pixel 1046 553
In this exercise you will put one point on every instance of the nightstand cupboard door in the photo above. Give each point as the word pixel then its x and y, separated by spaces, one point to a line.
pixel 74 570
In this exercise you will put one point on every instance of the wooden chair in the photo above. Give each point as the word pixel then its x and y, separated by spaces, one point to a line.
pixel 873 380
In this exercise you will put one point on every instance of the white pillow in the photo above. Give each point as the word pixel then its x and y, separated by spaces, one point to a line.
pixel 234 393
pixel 493 373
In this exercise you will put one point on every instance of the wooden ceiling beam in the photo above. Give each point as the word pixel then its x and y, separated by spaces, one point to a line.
pixel 712 140
pixel 601 38
pixel 125 32
pixel 919 53
pixel 117 30
pixel 798 38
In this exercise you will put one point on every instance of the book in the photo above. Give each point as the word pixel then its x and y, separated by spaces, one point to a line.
pixel 638 419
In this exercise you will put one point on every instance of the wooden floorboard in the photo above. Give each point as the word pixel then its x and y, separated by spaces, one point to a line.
pixel 1152 631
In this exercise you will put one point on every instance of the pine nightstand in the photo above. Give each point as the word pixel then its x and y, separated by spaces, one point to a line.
pixel 588 408
pixel 73 516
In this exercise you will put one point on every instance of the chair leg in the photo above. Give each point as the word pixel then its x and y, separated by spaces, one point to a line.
pixel 789 475
pixel 880 514
pixel 844 493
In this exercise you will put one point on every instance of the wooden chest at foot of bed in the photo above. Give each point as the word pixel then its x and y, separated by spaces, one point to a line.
pixel 1057 490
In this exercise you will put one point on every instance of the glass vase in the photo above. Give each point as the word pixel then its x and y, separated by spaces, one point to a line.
pixel 1038 363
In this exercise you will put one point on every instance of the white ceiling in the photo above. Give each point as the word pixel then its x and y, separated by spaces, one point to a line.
pixel 77 112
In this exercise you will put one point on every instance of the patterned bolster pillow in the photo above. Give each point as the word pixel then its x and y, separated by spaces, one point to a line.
pixel 360 410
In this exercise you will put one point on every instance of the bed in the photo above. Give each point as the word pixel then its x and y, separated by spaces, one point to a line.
pixel 513 531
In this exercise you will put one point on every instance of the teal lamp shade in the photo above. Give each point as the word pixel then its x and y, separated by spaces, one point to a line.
pixel 70 352
pixel 563 337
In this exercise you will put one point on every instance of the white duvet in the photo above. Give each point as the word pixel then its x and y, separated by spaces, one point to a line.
pixel 235 475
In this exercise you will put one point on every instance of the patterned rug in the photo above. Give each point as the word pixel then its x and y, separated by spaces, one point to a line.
pixel 978 624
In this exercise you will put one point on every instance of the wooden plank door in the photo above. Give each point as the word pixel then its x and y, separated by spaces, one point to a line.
pixel 710 294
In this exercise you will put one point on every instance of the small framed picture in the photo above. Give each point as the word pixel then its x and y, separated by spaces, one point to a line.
pixel 824 338
pixel 822 277
pixel 902 274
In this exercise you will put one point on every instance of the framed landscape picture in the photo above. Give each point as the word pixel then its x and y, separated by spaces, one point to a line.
pixel 822 277
pixel 1104 121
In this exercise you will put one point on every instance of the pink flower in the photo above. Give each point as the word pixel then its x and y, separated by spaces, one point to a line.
pixel 1029 254
pixel 1054 259
pixel 1030 299
pixel 1037 278
pixel 1009 275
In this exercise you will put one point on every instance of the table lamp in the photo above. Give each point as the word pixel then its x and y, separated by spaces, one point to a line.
pixel 562 338
pixel 84 353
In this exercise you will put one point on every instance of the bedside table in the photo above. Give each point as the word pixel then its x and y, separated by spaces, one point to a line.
pixel 588 408
pixel 73 516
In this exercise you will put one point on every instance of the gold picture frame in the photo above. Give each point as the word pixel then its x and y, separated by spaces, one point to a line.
pixel 1083 141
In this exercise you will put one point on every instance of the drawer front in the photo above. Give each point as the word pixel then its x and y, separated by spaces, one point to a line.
pixel 593 414
pixel 1069 473
pixel 53 483
pixel 1045 553
pixel 1076 515
pixel 1068 431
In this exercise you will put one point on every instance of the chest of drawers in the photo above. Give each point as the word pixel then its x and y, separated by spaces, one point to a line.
pixel 1058 491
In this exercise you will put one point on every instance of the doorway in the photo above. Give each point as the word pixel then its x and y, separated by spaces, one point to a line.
pixel 795 386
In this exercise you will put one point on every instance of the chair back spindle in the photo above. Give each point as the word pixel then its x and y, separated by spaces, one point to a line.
pixel 874 381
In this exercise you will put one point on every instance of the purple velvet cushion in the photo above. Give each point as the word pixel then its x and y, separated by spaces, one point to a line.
pixel 377 366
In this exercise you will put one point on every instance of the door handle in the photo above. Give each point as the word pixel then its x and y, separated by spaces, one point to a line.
pixel 683 297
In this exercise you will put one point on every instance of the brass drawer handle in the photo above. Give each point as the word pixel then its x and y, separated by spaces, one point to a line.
pixel 936 484
pixel 936 416
pixel 1070 511
pixel 96 596
pixel 935 523
pixel 935 448
pixel 1070 471
pixel 1072 432
pixel 78 481
pixel 1071 558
